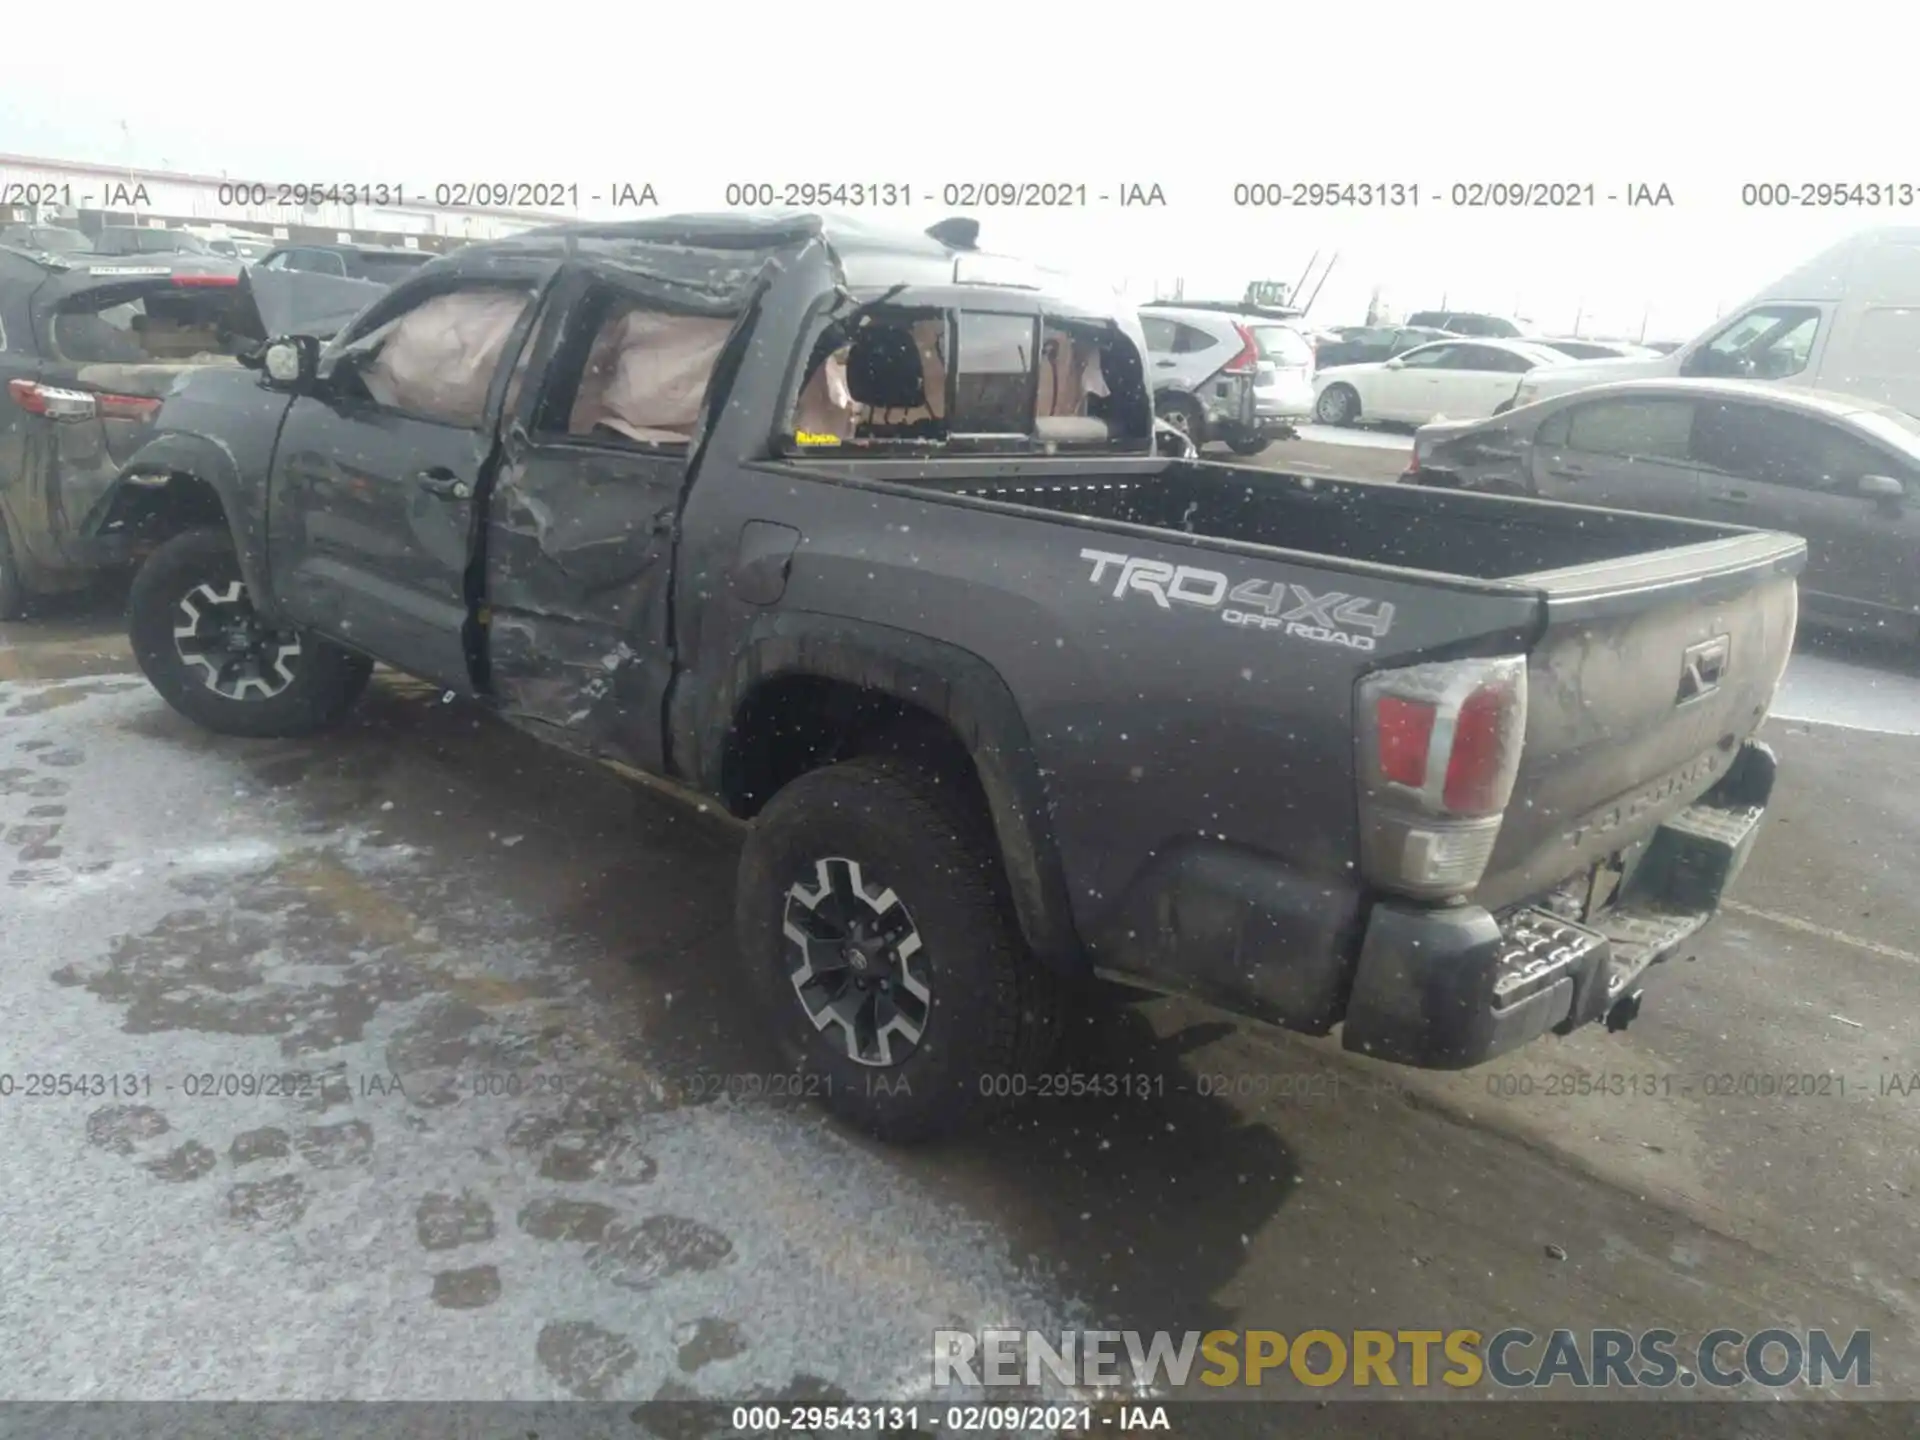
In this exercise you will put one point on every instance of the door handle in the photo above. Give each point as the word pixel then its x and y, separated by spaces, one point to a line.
pixel 1734 497
pixel 1567 472
pixel 1164 364
pixel 443 484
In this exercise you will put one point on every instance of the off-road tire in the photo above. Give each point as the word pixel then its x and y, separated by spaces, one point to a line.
pixel 326 679
pixel 995 1014
pixel 13 590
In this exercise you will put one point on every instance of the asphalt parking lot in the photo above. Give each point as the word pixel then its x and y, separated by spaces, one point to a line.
pixel 520 1152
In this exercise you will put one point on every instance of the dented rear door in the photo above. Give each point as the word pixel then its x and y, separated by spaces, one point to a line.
pixel 579 564
pixel 580 519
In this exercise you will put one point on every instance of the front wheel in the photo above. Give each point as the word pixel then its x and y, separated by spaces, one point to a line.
pixel 880 945
pixel 201 644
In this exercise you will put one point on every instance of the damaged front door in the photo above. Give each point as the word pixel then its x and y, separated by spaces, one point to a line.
pixel 580 520
pixel 379 466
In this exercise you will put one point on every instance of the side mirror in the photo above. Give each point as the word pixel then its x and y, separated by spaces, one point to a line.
pixel 1394 362
pixel 290 363
pixel 1883 488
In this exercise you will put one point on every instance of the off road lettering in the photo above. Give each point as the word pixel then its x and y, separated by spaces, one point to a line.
pixel 1328 619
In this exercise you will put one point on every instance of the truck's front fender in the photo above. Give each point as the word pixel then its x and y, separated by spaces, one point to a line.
pixel 169 484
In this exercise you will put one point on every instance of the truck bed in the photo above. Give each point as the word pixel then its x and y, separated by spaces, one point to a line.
pixel 1441 533
pixel 1369 523
pixel 1605 604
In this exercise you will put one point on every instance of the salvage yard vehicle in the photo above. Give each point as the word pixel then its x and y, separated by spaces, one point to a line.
pixel 148 240
pixel 1455 379
pixel 1468 322
pixel 1845 322
pixel 1574 348
pixel 1370 344
pixel 863 538
pixel 383 264
pixel 86 351
pixel 1841 472
pixel 88 346
pixel 46 239
pixel 1221 376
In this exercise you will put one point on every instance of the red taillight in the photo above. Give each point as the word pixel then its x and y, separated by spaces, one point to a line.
pixel 56 402
pixel 127 407
pixel 1475 763
pixel 27 396
pixel 61 403
pixel 1406 735
pixel 199 281
pixel 1249 356
pixel 1440 746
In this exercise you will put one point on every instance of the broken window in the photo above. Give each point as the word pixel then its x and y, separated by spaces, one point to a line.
pixel 993 391
pixel 438 359
pixel 889 382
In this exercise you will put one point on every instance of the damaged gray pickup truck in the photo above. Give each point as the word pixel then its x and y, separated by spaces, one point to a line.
pixel 864 537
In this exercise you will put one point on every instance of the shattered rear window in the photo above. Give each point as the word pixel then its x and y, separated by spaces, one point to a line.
pixel 154 324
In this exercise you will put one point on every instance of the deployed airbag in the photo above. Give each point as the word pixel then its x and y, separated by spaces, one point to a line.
pixel 440 358
pixel 647 375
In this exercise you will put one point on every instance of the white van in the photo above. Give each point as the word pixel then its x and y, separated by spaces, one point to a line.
pixel 1847 322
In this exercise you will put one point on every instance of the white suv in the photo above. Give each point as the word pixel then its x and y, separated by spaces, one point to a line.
pixel 1218 375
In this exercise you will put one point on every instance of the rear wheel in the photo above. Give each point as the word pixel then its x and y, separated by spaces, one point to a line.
pixel 881 947
pixel 202 645
pixel 13 590
pixel 1184 415
pixel 1249 444
pixel 1338 405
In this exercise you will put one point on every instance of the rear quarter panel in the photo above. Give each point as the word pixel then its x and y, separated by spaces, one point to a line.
pixel 1151 723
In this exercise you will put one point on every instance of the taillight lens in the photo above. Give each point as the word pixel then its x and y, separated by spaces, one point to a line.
pixel 1474 763
pixel 53 401
pixel 139 408
pixel 1249 356
pixel 1406 735
pixel 57 402
pixel 202 281
pixel 1439 753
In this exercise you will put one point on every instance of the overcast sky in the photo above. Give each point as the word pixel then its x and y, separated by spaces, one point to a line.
pixel 1699 96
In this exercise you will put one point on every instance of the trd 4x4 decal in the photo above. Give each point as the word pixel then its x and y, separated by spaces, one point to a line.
pixel 1335 618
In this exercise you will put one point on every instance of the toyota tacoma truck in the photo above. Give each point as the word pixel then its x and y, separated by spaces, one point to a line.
pixel 865 538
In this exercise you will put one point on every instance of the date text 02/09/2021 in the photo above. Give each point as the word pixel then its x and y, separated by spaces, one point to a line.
pixel 1388 194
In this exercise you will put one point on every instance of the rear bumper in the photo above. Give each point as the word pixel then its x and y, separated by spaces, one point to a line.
pixel 1446 989
pixel 1228 402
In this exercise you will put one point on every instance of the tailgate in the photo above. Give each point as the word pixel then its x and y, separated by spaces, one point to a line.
pixel 1650 673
